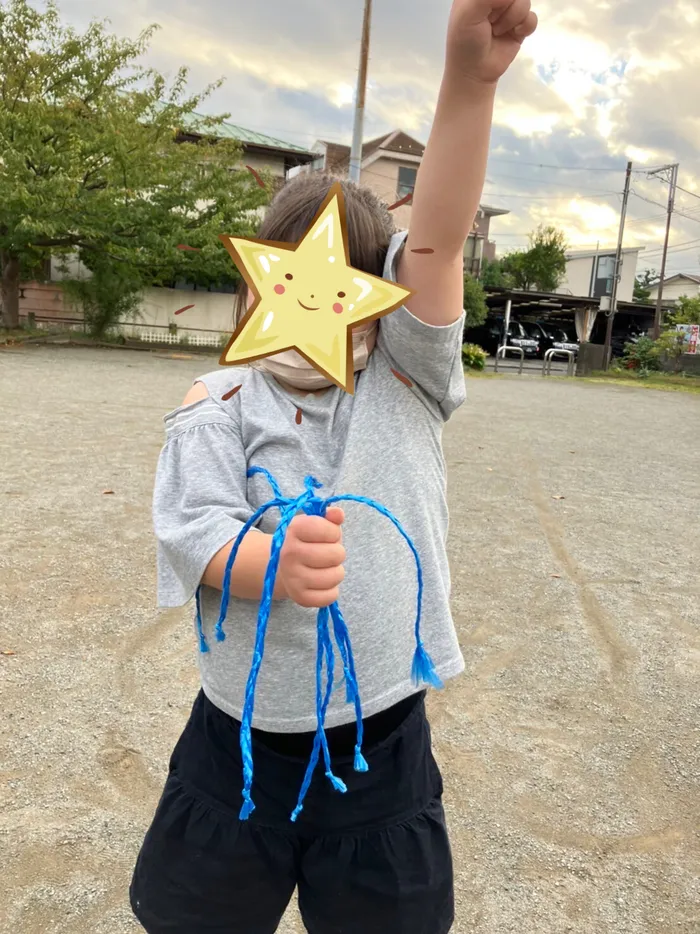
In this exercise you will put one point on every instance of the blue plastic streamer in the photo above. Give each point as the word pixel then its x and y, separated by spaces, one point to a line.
pixel 423 670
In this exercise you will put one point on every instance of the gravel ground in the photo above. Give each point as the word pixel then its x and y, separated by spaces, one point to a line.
pixel 571 747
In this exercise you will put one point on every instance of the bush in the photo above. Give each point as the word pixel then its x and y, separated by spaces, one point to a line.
pixel 671 347
pixel 474 303
pixel 109 297
pixel 643 356
pixel 473 357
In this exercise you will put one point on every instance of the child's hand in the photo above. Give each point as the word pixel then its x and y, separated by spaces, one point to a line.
pixel 311 563
pixel 484 36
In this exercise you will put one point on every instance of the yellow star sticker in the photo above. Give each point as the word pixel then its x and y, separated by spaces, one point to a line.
pixel 308 297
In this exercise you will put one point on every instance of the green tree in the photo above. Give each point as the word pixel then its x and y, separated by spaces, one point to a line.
pixel 95 162
pixel 543 265
pixel 519 269
pixel 688 312
pixel 494 276
pixel 474 302
pixel 642 286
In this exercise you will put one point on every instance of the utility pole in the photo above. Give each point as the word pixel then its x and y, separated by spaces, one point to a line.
pixel 672 182
pixel 358 131
pixel 618 267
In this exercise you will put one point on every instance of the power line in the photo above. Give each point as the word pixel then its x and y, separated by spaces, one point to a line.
pixel 675 210
pixel 646 220
pixel 557 168
pixel 687 249
pixel 676 245
pixel 541 181
pixel 506 195
pixel 688 192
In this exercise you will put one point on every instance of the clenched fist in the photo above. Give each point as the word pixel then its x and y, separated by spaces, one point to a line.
pixel 311 563
pixel 484 36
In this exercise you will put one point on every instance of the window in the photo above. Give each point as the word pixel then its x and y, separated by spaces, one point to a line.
pixel 407 181
pixel 604 276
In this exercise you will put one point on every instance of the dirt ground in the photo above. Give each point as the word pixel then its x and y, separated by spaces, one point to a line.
pixel 570 748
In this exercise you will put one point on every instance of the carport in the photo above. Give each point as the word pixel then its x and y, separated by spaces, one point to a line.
pixel 580 316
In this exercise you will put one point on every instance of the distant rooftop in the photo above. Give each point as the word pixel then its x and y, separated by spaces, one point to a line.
pixel 226 130
pixel 584 254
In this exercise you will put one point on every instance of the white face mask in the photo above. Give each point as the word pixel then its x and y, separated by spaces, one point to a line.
pixel 297 372
pixel 293 369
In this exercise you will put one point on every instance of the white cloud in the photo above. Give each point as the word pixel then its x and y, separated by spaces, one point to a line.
pixel 601 81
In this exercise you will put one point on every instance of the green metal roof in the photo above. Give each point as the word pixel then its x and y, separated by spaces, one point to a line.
pixel 227 130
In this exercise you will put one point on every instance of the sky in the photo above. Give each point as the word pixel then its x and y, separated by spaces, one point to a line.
pixel 602 82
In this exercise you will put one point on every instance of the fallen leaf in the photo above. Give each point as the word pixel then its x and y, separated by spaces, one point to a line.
pixel 398 204
pixel 558 497
pixel 256 176
pixel 403 379
pixel 7 652
pixel 108 492
pixel 231 393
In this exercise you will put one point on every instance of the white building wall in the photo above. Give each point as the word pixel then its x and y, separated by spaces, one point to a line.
pixel 577 280
pixel 209 321
pixel 260 162
pixel 676 290
pixel 68 267
pixel 625 292
pixel 579 270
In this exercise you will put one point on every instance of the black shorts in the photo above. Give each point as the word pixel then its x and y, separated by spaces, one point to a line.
pixel 375 860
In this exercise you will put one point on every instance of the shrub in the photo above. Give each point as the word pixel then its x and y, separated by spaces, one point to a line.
pixel 109 297
pixel 474 303
pixel 671 347
pixel 473 357
pixel 643 356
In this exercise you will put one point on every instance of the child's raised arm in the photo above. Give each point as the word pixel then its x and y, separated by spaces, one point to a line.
pixel 483 39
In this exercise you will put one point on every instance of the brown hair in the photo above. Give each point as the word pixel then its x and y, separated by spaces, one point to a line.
pixel 369 223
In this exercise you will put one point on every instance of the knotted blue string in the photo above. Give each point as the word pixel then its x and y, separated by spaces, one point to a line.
pixel 423 670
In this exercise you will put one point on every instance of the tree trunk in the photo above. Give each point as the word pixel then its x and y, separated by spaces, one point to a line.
pixel 9 293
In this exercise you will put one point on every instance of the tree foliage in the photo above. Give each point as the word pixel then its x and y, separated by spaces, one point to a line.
pixel 642 286
pixel 93 159
pixel 494 276
pixel 474 302
pixel 543 265
pixel 687 312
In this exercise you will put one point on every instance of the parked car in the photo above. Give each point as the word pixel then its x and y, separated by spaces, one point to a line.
pixel 489 335
pixel 550 337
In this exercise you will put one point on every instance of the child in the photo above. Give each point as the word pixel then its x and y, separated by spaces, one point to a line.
pixel 376 859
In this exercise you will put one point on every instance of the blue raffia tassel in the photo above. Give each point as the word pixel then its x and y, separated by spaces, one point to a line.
pixel 328 618
pixel 423 671
pixel 203 645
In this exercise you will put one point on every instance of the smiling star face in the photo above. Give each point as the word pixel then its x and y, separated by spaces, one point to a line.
pixel 308 297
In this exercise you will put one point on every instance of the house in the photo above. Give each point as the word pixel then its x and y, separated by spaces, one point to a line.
pixel 260 152
pixel 591 273
pixel 389 167
pixel 677 287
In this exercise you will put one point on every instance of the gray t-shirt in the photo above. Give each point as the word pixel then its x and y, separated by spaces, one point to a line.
pixel 385 443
